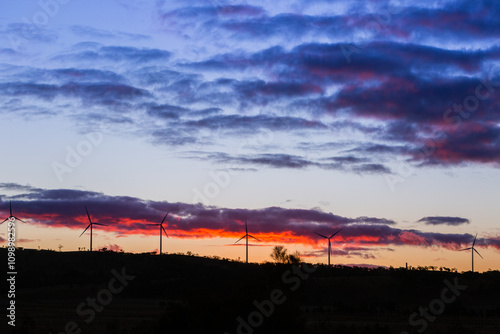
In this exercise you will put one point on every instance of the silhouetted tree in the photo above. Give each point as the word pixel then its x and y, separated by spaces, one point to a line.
pixel 279 255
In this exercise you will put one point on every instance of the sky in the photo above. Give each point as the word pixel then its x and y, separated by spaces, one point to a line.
pixel 300 117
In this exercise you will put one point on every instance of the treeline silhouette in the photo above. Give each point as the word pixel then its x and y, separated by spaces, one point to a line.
pixel 175 293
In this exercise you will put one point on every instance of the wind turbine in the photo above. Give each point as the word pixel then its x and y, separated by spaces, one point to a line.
pixel 329 243
pixel 12 217
pixel 246 236
pixel 162 229
pixel 90 225
pixel 473 250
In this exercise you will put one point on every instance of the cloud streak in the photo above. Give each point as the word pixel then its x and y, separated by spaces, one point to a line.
pixel 451 221
pixel 56 208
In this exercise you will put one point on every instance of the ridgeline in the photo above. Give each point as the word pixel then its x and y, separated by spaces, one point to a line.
pixel 110 292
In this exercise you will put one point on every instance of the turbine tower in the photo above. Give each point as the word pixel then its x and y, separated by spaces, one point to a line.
pixel 472 251
pixel 329 243
pixel 162 229
pixel 246 236
pixel 90 225
pixel 12 217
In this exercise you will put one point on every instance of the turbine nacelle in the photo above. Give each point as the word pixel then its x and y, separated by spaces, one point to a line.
pixel 91 223
pixel 472 249
pixel 247 236
pixel 11 217
pixel 329 242
pixel 162 229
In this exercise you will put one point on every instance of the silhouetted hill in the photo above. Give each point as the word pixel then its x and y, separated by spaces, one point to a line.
pixel 108 292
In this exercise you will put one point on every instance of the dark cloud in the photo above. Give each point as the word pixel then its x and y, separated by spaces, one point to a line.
pixel 452 221
pixel 175 137
pixel 254 123
pixel 456 21
pixel 471 142
pixel 282 70
pixel 91 93
pixel 347 159
pixel 246 94
pixel 289 25
pixel 404 92
pixel 18 187
pixel 173 112
pixel 90 32
pixel 65 207
pixel 166 111
pixel 276 160
pixel 181 17
pixel 98 53
pixel 381 149
pixel 327 63
pixel 371 169
pixel 163 78
pixel 269 160
pixel 425 101
pixel 60 75
pixel 129 215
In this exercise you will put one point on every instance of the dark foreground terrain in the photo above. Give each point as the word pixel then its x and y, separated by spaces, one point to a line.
pixel 108 292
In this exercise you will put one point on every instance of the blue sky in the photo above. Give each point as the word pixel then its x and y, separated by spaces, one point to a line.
pixel 367 115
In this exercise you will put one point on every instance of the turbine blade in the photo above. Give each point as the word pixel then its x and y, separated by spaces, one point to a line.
pixel 85 229
pixel 241 238
pixel 5 220
pixel 99 224
pixel 19 219
pixel 246 227
pixel 466 249
pixel 334 234
pixel 474 242
pixel 10 208
pixel 164 218
pixel 478 253
pixel 90 220
pixel 164 231
pixel 251 236
pixel 321 235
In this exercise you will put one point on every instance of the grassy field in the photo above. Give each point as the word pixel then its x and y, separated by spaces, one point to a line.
pixel 107 292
